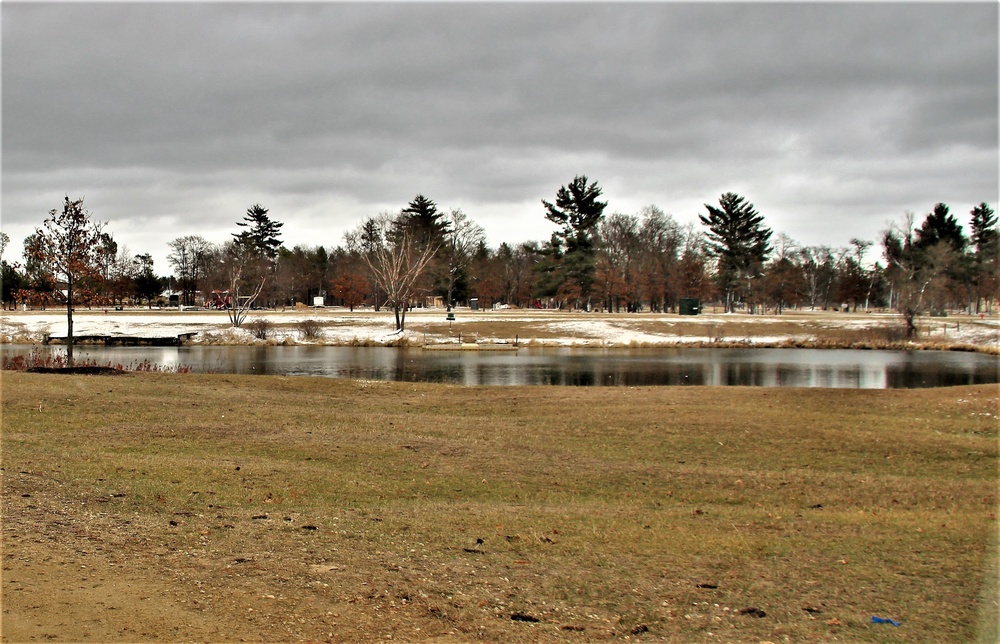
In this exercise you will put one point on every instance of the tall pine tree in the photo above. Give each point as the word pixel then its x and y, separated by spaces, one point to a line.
pixel 577 212
pixel 940 226
pixel 986 256
pixel 261 234
pixel 739 240
pixel 426 225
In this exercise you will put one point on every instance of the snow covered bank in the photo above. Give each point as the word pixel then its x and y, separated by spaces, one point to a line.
pixel 537 328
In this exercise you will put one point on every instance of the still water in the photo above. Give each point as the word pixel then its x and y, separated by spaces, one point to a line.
pixel 581 367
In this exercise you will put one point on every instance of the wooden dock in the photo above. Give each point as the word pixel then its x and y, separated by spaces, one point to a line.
pixel 470 346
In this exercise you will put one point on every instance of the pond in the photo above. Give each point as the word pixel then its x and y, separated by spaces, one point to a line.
pixel 853 369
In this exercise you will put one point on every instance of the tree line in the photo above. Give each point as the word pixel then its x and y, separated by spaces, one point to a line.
pixel 645 261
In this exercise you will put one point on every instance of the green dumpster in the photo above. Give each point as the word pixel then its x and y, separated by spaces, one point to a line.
pixel 689 306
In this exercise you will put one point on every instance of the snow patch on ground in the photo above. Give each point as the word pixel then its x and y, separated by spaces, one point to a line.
pixel 370 328
pixel 603 332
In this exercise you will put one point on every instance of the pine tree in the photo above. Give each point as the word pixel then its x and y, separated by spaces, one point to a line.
pixel 984 229
pixel 739 240
pixel 261 234
pixel 427 227
pixel 578 213
pixel 940 226
pixel 986 246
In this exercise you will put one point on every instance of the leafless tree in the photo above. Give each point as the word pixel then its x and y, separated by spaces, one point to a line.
pixel 246 273
pixel 189 258
pixel 619 247
pixel 396 264
pixel 861 246
pixel 661 239
pixel 461 241
pixel 909 279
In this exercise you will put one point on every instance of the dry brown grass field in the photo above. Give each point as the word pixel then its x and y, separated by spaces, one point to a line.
pixel 159 507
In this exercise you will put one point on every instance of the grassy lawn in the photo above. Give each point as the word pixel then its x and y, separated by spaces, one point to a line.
pixel 271 509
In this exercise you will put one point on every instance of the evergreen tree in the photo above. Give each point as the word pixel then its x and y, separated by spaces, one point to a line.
pixel 261 234
pixel 940 226
pixel 577 212
pixel 984 229
pixel 739 240
pixel 147 285
pixel 986 246
pixel 426 226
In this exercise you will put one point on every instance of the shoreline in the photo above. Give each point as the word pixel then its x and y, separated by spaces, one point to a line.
pixel 564 344
pixel 519 327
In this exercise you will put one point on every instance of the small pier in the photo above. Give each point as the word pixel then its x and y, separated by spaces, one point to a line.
pixel 470 346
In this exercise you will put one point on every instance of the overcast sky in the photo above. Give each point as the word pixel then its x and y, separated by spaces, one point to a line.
pixel 172 119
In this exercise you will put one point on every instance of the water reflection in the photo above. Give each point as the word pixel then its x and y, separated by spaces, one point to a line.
pixel 577 367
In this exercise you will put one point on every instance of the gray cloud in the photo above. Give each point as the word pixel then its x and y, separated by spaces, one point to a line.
pixel 173 118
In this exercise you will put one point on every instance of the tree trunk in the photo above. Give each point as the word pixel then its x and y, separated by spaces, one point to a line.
pixel 911 328
pixel 69 322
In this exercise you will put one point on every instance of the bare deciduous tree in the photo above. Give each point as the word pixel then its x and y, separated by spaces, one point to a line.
pixel 189 257
pixel 909 282
pixel 619 249
pixel 246 273
pixel 461 240
pixel 397 263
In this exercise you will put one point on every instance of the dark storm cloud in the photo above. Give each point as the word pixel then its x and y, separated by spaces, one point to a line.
pixel 173 118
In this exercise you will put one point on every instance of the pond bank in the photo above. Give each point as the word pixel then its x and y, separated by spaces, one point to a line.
pixel 530 328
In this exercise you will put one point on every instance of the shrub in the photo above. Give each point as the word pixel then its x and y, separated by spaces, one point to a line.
pixel 260 328
pixel 310 329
